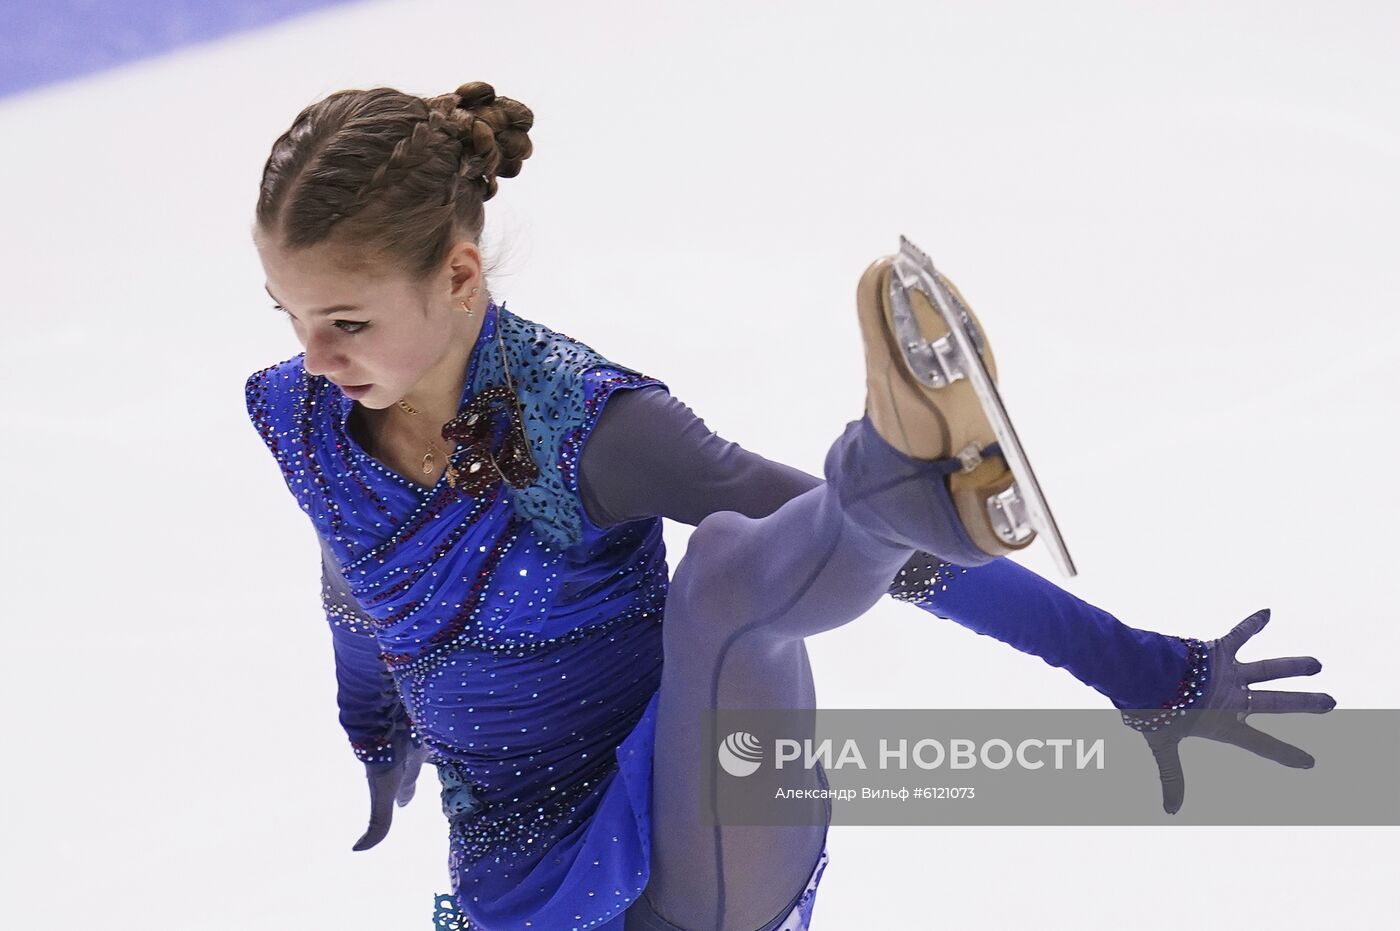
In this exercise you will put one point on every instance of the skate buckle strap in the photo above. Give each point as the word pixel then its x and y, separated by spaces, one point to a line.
pixel 971 457
pixel 1007 511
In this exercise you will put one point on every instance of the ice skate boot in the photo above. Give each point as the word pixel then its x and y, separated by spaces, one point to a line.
pixel 931 394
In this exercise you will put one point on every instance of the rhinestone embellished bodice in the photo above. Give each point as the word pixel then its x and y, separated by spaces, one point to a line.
pixel 524 639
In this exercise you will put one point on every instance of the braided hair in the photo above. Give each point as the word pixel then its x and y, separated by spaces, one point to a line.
pixel 391 178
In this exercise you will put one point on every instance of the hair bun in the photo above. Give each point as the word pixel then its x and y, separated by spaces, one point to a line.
pixel 494 132
pixel 475 94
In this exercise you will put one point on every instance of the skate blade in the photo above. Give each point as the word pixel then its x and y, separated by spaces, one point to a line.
pixel 1022 508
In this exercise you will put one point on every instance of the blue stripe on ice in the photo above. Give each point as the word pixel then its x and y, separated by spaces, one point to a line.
pixel 54 40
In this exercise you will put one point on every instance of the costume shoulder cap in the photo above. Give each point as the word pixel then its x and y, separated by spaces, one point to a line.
pixel 279 399
pixel 536 347
pixel 561 384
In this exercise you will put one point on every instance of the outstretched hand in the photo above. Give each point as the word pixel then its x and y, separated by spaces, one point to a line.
pixel 391 783
pixel 1225 691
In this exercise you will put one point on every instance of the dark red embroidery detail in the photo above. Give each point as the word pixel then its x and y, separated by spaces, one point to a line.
pixel 492 433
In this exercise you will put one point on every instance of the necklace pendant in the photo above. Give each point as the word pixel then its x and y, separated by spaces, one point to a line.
pixel 428 464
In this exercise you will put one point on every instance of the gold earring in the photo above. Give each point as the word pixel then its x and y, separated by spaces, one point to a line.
pixel 469 297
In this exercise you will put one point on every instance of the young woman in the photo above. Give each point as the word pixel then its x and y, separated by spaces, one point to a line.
pixel 488 495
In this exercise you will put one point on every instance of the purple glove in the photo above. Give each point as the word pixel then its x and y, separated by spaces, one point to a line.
pixel 1215 700
pixel 390 783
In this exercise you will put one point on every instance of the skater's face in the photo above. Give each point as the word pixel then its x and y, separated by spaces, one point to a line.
pixel 376 327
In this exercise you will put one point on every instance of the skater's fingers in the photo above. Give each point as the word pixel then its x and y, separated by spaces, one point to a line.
pixel 413 764
pixel 383 786
pixel 378 828
pixel 1275 701
pixel 1281 667
pixel 1242 631
pixel 1169 771
pixel 1266 745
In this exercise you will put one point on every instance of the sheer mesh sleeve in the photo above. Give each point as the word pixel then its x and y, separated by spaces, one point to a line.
pixel 650 455
pixel 371 712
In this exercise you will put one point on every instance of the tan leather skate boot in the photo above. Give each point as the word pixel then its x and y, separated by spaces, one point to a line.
pixel 932 423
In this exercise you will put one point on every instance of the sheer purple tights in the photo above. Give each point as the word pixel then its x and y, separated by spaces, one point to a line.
pixel 743 597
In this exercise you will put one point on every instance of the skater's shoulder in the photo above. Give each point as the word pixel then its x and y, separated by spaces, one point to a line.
pixel 538 344
pixel 282 389
pixel 560 364
pixel 287 368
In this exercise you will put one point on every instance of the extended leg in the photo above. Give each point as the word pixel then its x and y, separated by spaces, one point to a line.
pixel 651 455
pixel 919 471
pixel 743 597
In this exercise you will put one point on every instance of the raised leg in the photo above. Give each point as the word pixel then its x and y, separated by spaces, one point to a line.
pixel 742 598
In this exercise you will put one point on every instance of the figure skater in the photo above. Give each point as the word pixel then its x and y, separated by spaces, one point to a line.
pixel 488 493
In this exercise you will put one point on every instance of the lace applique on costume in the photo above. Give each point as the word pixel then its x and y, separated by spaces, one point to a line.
pixel 560 394
pixel 446 917
pixel 477 831
pixel 458 800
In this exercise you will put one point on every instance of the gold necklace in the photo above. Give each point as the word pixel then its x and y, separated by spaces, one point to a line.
pixel 428 463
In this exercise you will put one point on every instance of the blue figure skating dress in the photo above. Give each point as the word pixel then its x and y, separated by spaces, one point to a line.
pixel 520 641
pixel 524 641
